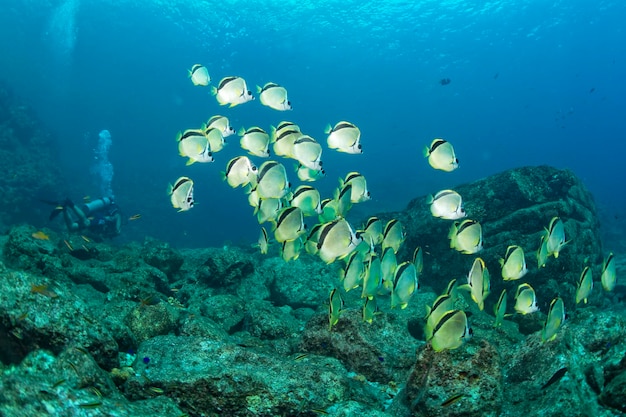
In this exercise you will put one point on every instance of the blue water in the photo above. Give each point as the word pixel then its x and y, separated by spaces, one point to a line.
pixel 531 83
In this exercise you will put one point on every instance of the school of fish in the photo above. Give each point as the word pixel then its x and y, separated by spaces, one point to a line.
pixel 368 254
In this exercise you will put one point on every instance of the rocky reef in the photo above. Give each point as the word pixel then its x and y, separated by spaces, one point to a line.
pixel 146 329
pixel 27 156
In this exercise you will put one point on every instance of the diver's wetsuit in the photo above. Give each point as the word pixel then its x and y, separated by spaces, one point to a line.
pixel 100 217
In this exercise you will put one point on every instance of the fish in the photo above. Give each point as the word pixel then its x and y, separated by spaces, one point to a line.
pixel 393 235
pixel 370 309
pixel 373 277
pixel 514 263
pixel 525 299
pixel 240 171
pixel 335 307
pixel 478 283
pixel 337 240
pixel 441 155
pixel 256 141
pixel 233 91
pixel 289 224
pixel 283 138
pixel 442 304
pixel 353 272
pixel 418 259
pixel 405 284
pixel 329 210
pixel 181 194
pixel 585 286
pixel 307 199
pixel 359 192
pixel 554 321
pixel 290 249
pixel 500 309
pixel 90 405
pixel 274 96
pixel 466 236
pixel 43 289
pixel 263 241
pixel 215 138
pixel 342 202
pixel 199 75
pixel 389 263
pixel 272 180
pixel 308 152
pixel 39 235
pixel 344 137
pixel 556 237
pixel 542 252
pixel 453 399
pixel 555 378
pixel 447 204
pixel 300 357
pixel 451 331
pixel 268 209
pixel 221 123
pixel 310 245
pixel 69 245
pixel 373 231
pixel 134 217
pixel 309 175
pixel 608 277
pixel 194 145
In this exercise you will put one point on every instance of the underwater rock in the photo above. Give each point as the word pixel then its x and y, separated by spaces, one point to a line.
pixel 513 207
pixel 614 394
pixel 161 256
pixel 45 385
pixel 465 382
pixel 227 311
pixel 219 268
pixel 534 370
pixel 265 321
pixel 209 378
pixel 304 282
pixel 25 252
pixel 382 351
pixel 148 320
pixel 36 313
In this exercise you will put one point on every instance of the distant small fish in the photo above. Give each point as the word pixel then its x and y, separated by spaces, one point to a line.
pixel 156 390
pixel 592 90
pixel 91 405
pixel 555 378
pixel 300 357
pixel 497 74
pixel 69 246
pixel 445 81
pixel 43 290
pixel 39 235
pixel 455 398
pixel 85 238
pixel 134 217
pixel 87 198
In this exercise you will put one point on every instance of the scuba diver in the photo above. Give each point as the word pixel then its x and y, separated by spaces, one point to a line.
pixel 99 218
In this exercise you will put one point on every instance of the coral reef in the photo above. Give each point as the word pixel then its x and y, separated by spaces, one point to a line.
pixel 147 329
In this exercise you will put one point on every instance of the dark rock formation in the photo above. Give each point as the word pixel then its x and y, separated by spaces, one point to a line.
pixel 514 208
pixel 27 158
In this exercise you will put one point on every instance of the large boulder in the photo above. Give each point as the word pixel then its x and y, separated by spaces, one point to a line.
pixel 514 208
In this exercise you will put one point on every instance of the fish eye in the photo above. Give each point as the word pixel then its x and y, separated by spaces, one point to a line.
pixel 358 146
pixel 249 92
